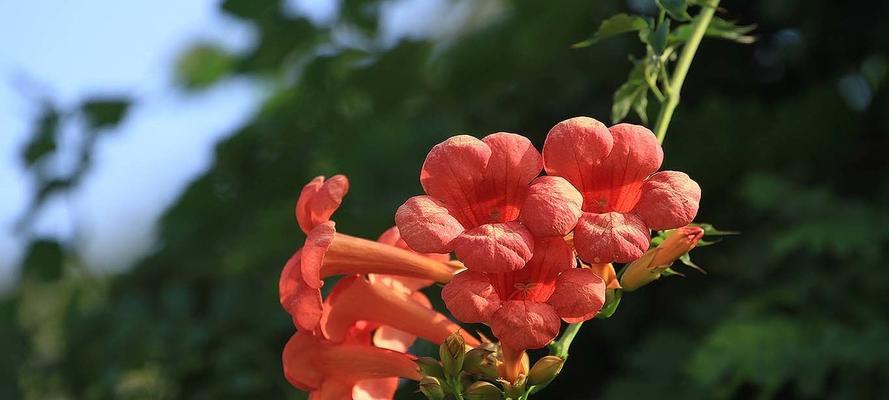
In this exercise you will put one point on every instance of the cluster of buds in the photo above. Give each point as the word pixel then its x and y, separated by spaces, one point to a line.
pixel 478 373
pixel 532 251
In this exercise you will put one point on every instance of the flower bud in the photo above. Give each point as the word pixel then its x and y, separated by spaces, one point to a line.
pixel 482 390
pixel 452 353
pixel 482 362
pixel 430 367
pixel 655 261
pixel 431 388
pixel 516 389
pixel 545 370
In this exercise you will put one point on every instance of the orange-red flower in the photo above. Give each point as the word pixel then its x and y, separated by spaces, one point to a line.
pixel 353 369
pixel 327 253
pixel 363 330
pixel 615 169
pixel 655 261
pixel 524 307
pixel 481 202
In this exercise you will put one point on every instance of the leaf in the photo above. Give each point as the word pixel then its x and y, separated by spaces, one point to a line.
pixel 633 94
pixel 710 230
pixel 678 9
pixel 43 139
pixel 203 65
pixel 686 259
pixel 104 113
pixel 658 38
pixel 43 261
pixel 616 25
pixel 718 28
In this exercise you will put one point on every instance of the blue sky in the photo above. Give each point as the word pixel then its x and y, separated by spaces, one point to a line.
pixel 70 50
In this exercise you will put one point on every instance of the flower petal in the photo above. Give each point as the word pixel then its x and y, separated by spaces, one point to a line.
pixel 616 184
pixel 670 199
pixel 355 299
pixel 392 237
pixel 610 237
pixel 375 389
pixel 580 293
pixel 470 297
pixel 387 337
pixel 552 207
pixel 319 199
pixel 317 243
pixel 525 324
pixel 500 247
pixel 301 301
pixel 452 172
pixel 574 147
pixel 514 162
pixel 426 225
pixel 537 280
pixel 297 354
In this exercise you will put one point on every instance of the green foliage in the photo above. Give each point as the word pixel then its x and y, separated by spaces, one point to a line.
pixel 677 9
pixel 793 308
pixel 616 25
pixel 718 28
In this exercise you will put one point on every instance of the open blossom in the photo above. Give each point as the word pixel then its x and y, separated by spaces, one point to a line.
pixel 483 202
pixel 524 307
pixel 358 351
pixel 353 369
pixel 655 261
pixel 327 253
pixel 615 169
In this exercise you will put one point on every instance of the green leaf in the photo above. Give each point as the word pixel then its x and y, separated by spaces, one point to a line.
pixel 686 259
pixel 612 300
pixel 43 139
pixel 633 94
pixel 678 9
pixel 43 261
pixel 104 113
pixel 710 230
pixel 718 28
pixel 616 25
pixel 203 65
pixel 658 38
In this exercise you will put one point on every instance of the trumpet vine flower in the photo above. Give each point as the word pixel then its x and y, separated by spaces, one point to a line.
pixel 483 202
pixel 615 170
pixel 327 253
pixel 524 307
pixel 655 261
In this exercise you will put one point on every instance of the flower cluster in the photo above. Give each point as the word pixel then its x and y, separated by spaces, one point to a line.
pixel 520 234
pixel 353 344
pixel 537 250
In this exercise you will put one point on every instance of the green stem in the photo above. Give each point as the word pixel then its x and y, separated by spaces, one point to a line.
pixel 699 27
pixel 560 347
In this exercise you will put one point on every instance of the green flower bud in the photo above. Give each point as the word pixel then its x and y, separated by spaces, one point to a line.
pixel 430 367
pixel 482 390
pixel 544 370
pixel 482 362
pixel 431 388
pixel 452 353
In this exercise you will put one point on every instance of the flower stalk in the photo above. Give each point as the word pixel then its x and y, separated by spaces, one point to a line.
pixel 674 85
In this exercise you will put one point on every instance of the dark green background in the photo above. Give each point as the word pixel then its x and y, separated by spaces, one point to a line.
pixel 788 138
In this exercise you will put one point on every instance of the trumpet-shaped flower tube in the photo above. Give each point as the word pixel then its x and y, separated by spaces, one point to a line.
pixel 524 307
pixel 481 202
pixel 354 369
pixel 615 170
pixel 327 253
pixel 655 261
pixel 356 299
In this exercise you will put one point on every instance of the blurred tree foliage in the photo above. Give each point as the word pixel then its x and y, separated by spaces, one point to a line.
pixel 787 137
